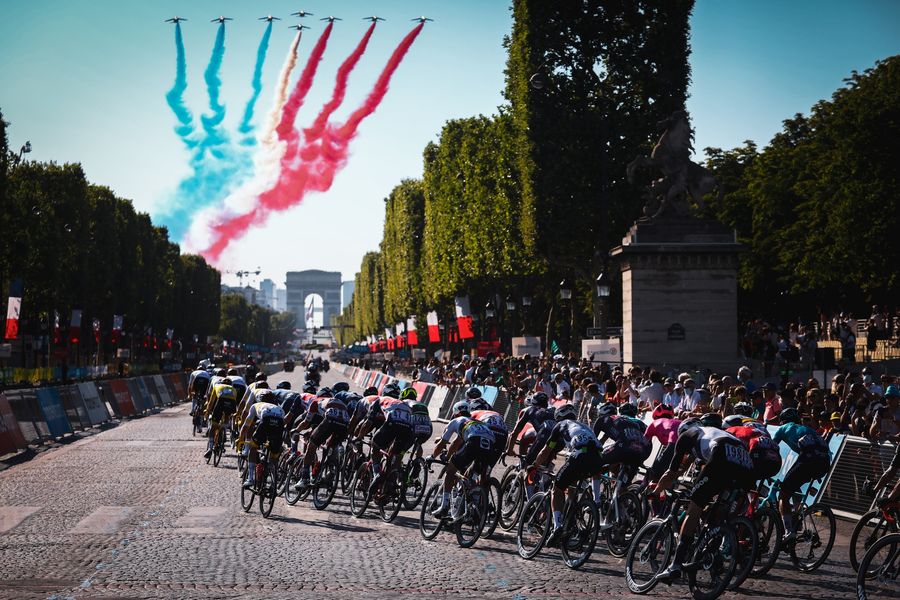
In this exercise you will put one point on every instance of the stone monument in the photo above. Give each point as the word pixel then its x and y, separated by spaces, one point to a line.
pixel 679 272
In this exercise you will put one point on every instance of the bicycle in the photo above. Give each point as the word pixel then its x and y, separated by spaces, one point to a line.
pixel 713 554
pixel 415 478
pixel 325 481
pixel 218 447
pixel 622 511
pixel 873 525
pixel 294 463
pixel 264 485
pixel 468 501
pixel 387 494
pixel 812 522
pixel 350 461
pixel 580 524
pixel 878 575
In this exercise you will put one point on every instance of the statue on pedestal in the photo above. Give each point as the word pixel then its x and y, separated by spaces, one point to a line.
pixel 679 176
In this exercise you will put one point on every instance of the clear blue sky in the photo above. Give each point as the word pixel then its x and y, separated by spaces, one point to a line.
pixel 84 80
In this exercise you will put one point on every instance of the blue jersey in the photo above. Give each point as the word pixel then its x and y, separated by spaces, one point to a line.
pixel 800 438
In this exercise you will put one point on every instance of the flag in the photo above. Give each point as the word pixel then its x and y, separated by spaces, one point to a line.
pixel 387 333
pixel 57 330
pixel 554 347
pixel 75 326
pixel 434 331
pixel 13 308
pixel 118 322
pixel 148 333
pixel 411 336
pixel 309 311
pixel 169 333
pixel 464 318
pixel 399 328
pixel 96 323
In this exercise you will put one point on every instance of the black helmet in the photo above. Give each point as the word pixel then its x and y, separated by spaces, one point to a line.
pixel 341 386
pixel 472 393
pixel 745 409
pixel 789 415
pixel 539 399
pixel 221 373
pixel 391 390
pixel 711 420
pixel 262 385
pixel 225 381
pixel 326 392
pixel 266 396
pixel 688 424
pixel 233 371
pixel 628 410
pixel 260 377
pixel 283 385
pixel 370 391
pixel 564 412
pixel 310 387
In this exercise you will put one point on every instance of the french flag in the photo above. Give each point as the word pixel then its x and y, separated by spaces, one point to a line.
pixel 411 336
pixel 464 318
pixel 118 322
pixel 434 331
pixel 13 309
pixel 75 326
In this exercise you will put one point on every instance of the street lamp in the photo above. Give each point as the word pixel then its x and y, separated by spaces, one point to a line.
pixel 510 305
pixel 489 311
pixel 565 290
pixel 25 149
pixel 601 288
pixel 526 306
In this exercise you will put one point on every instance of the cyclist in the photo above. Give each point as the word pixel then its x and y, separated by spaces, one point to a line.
pixel 813 462
pixel 541 418
pixel 726 465
pixel 197 386
pixel 421 420
pixel 474 443
pixel 484 412
pixel 221 407
pixel 370 391
pixel 886 477
pixel 664 428
pixel 329 417
pixel 583 461
pixel 392 417
pixel 266 420
pixel 283 385
pixel 259 383
pixel 763 451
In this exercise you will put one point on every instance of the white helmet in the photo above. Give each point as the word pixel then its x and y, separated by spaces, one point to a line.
pixel 460 409
pixel 566 411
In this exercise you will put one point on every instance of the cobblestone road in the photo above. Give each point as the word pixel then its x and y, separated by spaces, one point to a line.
pixel 134 512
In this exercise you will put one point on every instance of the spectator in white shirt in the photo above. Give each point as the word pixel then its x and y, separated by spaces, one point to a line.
pixel 563 389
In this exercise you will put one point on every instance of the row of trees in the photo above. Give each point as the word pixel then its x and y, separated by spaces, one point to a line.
pixel 818 208
pixel 78 246
pixel 512 203
pixel 253 324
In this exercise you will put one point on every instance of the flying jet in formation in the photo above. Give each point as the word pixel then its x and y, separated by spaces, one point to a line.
pixel 331 19
pixel 176 20
pixel 269 18
pixel 221 19
pixel 301 14
pixel 422 19
pixel 298 27
pixel 373 18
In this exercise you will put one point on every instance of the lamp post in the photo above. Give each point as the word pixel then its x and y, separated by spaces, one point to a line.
pixel 565 295
pixel 526 307
pixel 25 149
pixel 601 297
pixel 509 325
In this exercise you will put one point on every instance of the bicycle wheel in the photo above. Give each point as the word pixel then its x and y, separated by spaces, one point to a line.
pixel 359 490
pixel 512 492
pixel 268 492
pixel 469 528
pixel 815 537
pixel 879 570
pixel 430 526
pixel 534 525
pixel 769 530
pixel 348 469
pixel 392 491
pixel 219 448
pixel 492 519
pixel 415 483
pixel 209 458
pixel 714 560
pixel 326 485
pixel 630 519
pixel 748 546
pixel 247 497
pixel 870 527
pixel 648 554
pixel 292 496
pixel 580 536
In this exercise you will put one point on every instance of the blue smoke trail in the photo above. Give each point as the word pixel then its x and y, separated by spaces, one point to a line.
pixel 215 136
pixel 175 96
pixel 245 127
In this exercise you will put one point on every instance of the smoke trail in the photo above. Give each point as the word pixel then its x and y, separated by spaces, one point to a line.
pixel 215 136
pixel 285 127
pixel 340 88
pixel 245 126
pixel 315 173
pixel 175 96
pixel 268 138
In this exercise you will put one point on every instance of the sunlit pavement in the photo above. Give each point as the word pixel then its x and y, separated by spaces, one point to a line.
pixel 135 512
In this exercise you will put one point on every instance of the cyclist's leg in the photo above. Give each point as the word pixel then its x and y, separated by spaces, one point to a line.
pixel 584 462
pixel 459 462
pixel 799 474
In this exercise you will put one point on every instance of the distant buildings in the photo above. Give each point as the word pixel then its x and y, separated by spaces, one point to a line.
pixel 267 289
pixel 268 295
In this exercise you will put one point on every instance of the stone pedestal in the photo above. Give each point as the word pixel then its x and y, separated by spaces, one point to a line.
pixel 679 294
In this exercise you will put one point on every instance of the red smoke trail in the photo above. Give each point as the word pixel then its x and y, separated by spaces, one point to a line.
pixel 285 127
pixel 320 162
pixel 340 88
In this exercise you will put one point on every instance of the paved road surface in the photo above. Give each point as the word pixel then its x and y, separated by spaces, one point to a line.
pixel 134 512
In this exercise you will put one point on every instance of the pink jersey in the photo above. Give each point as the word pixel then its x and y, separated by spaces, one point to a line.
pixel 665 430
